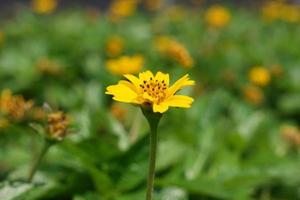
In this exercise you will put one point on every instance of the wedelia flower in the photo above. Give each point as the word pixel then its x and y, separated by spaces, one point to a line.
pixel 259 76
pixel 280 10
pixel 174 50
pixel 125 65
pixel 43 6
pixel 14 106
pixel 217 16
pixel 122 8
pixel 153 91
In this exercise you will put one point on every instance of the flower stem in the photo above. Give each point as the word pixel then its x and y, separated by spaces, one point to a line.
pixel 153 120
pixel 47 144
pixel 152 161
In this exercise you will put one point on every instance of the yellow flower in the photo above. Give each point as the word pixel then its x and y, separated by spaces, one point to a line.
pixel 271 10
pixel 43 6
pixel 275 10
pixel 259 76
pixel 122 8
pixel 150 90
pixel 174 50
pixel 114 46
pixel 217 16
pixel 290 13
pixel 57 125
pixel 14 106
pixel 125 65
pixel 253 94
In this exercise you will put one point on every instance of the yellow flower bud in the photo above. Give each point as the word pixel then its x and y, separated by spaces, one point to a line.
pixel 57 125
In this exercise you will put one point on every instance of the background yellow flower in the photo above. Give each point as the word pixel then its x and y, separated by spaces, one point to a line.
pixel 122 8
pixel 125 65
pixel 217 16
pixel 280 10
pixel 174 50
pixel 259 76
pixel 15 106
pixel 44 6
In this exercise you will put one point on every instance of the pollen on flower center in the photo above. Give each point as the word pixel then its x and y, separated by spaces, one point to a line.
pixel 156 89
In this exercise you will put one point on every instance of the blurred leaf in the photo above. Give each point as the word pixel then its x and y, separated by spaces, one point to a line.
pixel 290 103
pixel 10 191
pixel 102 181
pixel 175 150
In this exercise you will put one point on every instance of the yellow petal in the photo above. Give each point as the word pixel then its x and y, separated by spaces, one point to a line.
pixel 161 108
pixel 179 101
pixel 182 82
pixel 133 79
pixel 163 77
pixel 146 76
pixel 128 84
pixel 147 97
pixel 122 93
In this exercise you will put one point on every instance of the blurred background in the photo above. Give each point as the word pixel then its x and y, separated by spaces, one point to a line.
pixel 104 4
pixel 239 140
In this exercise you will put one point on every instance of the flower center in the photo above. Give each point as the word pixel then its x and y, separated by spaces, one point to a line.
pixel 155 89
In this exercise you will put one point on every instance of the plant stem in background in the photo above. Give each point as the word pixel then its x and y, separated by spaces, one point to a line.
pixel 153 120
pixel 47 144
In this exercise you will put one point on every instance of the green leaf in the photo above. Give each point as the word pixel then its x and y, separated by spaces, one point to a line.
pixel 10 191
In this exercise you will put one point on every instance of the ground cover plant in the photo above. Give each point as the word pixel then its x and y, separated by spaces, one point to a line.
pixel 63 135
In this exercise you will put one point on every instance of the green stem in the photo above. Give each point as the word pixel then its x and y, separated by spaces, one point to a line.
pixel 152 161
pixel 47 144
pixel 153 120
